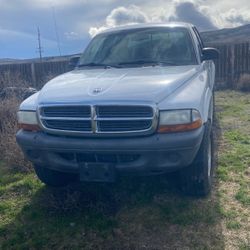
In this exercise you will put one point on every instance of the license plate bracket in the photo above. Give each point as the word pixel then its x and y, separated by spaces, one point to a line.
pixel 97 172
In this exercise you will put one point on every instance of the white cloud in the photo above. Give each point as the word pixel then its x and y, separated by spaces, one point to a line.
pixel 236 17
pixel 192 12
pixel 93 31
pixel 186 11
pixel 206 15
pixel 121 16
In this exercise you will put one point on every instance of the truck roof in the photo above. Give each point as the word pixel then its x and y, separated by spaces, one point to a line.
pixel 147 25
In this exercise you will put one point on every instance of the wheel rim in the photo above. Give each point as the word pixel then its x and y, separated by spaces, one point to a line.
pixel 209 157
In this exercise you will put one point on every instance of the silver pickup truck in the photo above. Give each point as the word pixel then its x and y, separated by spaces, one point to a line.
pixel 139 101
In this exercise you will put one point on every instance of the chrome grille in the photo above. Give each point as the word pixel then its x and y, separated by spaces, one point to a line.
pixel 98 119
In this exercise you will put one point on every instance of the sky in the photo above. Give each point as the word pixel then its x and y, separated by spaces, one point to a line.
pixel 67 26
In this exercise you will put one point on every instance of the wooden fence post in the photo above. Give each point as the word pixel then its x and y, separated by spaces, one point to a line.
pixel 232 62
pixel 33 74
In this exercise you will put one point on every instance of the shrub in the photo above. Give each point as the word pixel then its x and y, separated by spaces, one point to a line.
pixel 244 83
pixel 8 79
pixel 10 153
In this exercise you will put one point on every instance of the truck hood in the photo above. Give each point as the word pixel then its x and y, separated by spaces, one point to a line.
pixel 150 84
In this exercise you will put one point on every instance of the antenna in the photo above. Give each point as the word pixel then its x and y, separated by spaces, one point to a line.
pixel 40 49
pixel 56 30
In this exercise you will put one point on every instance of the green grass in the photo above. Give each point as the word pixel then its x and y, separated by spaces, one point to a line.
pixel 234 165
pixel 233 225
pixel 136 213
pixel 244 245
pixel 99 216
pixel 243 195
pixel 236 161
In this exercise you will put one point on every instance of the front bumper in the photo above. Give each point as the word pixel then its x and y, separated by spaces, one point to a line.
pixel 143 155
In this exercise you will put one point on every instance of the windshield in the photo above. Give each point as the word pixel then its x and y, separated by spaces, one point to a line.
pixel 137 47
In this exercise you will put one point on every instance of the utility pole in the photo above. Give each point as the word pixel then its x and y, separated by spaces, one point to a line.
pixel 56 30
pixel 40 49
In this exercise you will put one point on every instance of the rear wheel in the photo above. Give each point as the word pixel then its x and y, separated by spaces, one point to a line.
pixel 197 179
pixel 54 178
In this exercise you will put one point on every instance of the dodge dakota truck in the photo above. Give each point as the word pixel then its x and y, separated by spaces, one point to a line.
pixel 139 101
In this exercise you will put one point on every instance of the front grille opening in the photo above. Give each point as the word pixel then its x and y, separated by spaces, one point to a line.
pixel 67 111
pixel 79 126
pixel 99 157
pixel 123 126
pixel 124 111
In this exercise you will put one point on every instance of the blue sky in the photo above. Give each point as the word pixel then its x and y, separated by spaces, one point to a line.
pixel 79 20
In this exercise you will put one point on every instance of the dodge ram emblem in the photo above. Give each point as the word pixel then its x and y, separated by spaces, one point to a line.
pixel 97 90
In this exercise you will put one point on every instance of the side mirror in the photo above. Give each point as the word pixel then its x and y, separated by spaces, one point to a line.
pixel 210 54
pixel 73 61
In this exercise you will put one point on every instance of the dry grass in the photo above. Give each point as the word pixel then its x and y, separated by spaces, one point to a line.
pixel 244 83
pixel 10 152
pixel 8 79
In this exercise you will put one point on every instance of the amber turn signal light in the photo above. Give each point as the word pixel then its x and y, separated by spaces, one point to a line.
pixel 29 127
pixel 180 128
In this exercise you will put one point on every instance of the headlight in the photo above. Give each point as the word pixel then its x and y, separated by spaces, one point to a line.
pixel 27 120
pixel 179 120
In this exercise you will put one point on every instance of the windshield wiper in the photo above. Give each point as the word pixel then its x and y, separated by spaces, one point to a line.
pixel 145 62
pixel 92 64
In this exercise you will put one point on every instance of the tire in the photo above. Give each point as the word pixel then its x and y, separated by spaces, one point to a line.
pixel 197 179
pixel 54 178
pixel 212 116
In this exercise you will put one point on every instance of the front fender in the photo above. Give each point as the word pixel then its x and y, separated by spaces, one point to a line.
pixel 30 103
pixel 195 94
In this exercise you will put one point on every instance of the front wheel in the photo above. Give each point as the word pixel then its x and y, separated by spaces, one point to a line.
pixel 53 178
pixel 198 177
